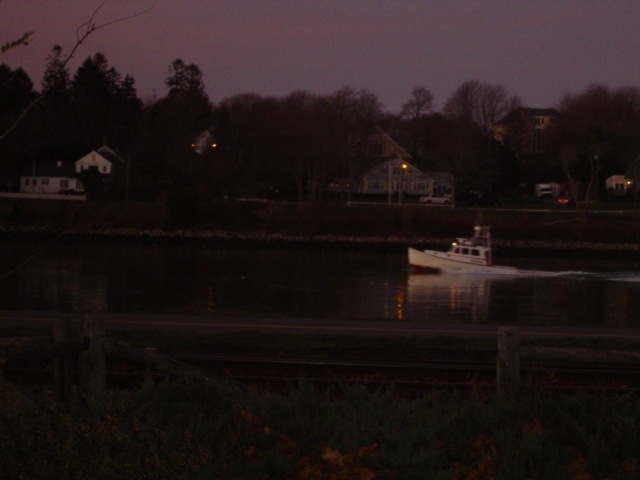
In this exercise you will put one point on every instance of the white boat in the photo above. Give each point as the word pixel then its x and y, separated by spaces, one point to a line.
pixel 471 255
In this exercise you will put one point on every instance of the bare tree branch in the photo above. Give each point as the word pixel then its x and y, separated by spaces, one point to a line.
pixel 90 28
pixel 24 40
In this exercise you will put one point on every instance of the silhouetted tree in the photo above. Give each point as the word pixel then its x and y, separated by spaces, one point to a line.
pixel 415 113
pixel 467 154
pixel 598 134
pixel 481 103
pixel 184 78
pixel 357 112
pixel 16 93
pixel 16 90
pixel 105 106
pixel 56 82
pixel 419 105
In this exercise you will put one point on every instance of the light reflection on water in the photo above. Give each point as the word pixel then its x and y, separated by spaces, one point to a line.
pixel 313 284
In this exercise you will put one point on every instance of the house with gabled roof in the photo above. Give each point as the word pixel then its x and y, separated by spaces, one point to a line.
pixel 386 169
pixel 102 159
pixel 618 184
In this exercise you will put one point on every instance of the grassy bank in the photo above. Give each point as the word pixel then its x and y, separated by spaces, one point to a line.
pixel 381 221
pixel 184 430
pixel 189 430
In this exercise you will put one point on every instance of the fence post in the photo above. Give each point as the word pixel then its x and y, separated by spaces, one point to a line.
pixel 508 366
pixel 62 365
pixel 91 362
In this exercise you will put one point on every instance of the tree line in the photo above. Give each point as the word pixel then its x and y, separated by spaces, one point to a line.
pixel 292 146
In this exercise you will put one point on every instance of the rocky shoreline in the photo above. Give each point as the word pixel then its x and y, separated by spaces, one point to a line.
pixel 330 242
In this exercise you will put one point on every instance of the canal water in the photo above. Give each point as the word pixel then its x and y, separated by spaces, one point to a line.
pixel 313 284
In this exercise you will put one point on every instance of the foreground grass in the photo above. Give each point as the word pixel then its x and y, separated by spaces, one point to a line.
pixel 186 430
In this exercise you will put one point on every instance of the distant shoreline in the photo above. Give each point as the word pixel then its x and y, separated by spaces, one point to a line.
pixel 124 236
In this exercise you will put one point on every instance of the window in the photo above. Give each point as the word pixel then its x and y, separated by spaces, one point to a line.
pixel 45 181
pixel 465 251
pixel 64 183
pixel 26 181
pixel 475 252
pixel 419 187
pixel 375 185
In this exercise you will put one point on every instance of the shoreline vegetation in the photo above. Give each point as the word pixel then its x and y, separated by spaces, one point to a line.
pixel 328 225
pixel 189 429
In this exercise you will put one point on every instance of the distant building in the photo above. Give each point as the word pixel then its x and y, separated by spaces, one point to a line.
pixel 102 160
pixel 49 179
pixel 526 130
pixel 618 184
pixel 203 142
pixel 384 168
pixel 393 176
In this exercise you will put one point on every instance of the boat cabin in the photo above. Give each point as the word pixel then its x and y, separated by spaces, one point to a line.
pixel 476 249
pixel 472 253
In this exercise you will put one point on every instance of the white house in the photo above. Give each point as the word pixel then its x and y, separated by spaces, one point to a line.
pixel 49 179
pixel 101 159
pixel 618 183
pixel 395 175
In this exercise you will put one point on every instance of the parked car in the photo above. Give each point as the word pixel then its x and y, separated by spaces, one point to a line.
pixel 436 199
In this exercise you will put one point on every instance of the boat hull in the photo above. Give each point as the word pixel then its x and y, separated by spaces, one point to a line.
pixel 435 261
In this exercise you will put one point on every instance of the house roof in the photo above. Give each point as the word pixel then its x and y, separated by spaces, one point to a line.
pixel 49 171
pixel 390 136
pixel 108 154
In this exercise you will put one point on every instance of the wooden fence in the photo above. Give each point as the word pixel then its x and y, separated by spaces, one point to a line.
pixel 91 348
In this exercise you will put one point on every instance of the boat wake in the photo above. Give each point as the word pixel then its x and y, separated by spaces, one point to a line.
pixel 631 277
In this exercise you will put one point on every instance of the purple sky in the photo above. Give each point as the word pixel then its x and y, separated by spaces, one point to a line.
pixel 538 49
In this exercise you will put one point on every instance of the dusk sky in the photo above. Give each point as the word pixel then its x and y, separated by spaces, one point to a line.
pixel 538 49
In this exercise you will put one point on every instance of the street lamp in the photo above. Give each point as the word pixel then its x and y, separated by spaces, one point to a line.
pixel 402 172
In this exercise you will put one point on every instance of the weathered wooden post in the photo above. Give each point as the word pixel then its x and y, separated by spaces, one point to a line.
pixel 508 366
pixel 62 364
pixel 91 366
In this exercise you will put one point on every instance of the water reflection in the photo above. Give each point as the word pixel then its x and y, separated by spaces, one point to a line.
pixel 454 296
pixel 400 299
